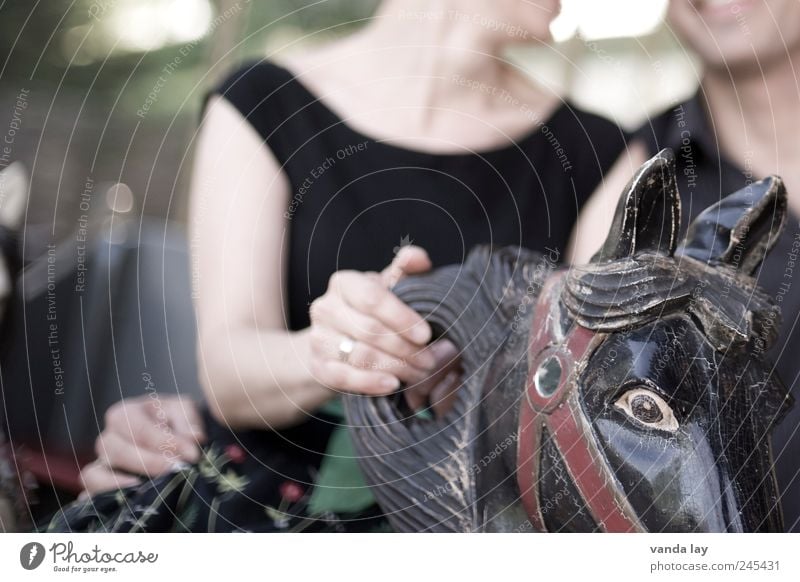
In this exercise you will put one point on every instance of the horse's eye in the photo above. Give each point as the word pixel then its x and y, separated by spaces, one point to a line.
pixel 648 408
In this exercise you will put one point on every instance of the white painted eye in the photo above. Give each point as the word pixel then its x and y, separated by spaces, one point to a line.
pixel 647 408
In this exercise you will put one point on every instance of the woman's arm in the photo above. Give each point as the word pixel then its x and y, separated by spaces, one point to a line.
pixel 253 370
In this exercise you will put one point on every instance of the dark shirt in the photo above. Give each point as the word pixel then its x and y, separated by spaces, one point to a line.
pixel 356 199
pixel 704 177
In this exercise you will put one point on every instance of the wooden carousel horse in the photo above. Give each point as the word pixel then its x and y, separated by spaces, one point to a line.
pixel 630 394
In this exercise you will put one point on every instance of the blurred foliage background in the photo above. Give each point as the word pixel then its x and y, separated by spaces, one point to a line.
pixel 115 86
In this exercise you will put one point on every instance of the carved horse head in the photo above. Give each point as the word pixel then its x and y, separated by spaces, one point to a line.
pixel 630 394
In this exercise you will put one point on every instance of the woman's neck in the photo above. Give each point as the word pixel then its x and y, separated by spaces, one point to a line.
pixel 436 44
pixel 456 43
pixel 757 118
pixel 436 68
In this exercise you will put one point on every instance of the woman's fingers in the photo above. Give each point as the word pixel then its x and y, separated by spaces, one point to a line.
pixel 337 315
pixel 144 436
pixel 187 427
pixel 438 390
pixel 120 453
pixel 134 420
pixel 166 425
pixel 97 477
pixel 369 296
pixel 347 378
pixel 443 396
pixel 184 416
pixel 389 338
pixel 326 345
pixel 408 261
pixel 130 425
pixel 366 370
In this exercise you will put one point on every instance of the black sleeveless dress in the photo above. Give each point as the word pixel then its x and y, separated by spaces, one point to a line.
pixel 355 201
pixel 704 177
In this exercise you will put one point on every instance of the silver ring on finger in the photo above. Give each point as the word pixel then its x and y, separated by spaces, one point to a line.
pixel 346 347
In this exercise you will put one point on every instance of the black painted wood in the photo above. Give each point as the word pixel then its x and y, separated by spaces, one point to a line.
pixel 684 325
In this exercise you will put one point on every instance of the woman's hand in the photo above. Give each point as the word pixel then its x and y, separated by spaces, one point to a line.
pixel 366 340
pixel 145 436
pixel 438 392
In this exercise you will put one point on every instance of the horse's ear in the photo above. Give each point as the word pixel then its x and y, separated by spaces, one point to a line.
pixel 648 214
pixel 740 229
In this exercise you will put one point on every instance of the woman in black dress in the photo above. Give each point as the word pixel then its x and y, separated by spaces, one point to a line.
pixel 311 177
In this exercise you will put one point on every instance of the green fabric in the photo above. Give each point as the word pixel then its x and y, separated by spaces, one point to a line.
pixel 334 407
pixel 340 487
